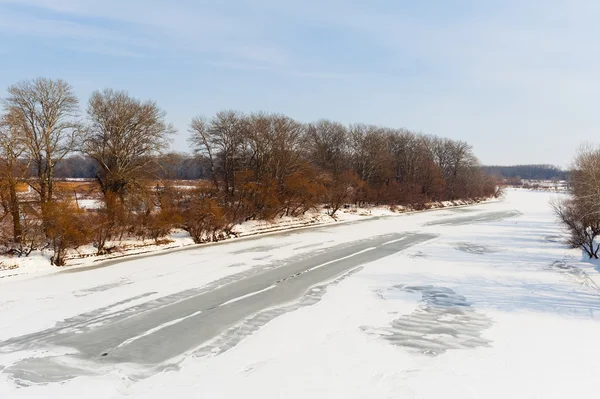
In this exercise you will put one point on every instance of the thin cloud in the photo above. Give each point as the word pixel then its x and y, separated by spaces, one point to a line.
pixel 141 27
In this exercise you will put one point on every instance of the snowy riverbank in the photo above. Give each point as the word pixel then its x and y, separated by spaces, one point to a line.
pixel 38 262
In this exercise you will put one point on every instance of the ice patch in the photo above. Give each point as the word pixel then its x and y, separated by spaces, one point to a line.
pixel 446 320
pixel 474 249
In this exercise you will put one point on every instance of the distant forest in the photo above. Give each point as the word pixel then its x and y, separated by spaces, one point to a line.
pixel 532 172
pixel 191 167
pixel 170 166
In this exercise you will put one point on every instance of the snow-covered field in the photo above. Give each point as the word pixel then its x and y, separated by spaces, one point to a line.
pixel 548 185
pixel 495 307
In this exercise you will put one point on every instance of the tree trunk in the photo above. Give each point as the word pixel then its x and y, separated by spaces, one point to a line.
pixel 15 212
pixel 43 191
pixel 50 179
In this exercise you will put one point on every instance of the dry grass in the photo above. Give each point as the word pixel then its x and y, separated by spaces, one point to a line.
pixel 181 183
pixel 83 189
pixel 22 187
pixel 89 188
pixel 78 186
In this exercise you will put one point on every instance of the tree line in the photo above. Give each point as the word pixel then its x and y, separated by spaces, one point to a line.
pixel 173 165
pixel 530 172
pixel 256 166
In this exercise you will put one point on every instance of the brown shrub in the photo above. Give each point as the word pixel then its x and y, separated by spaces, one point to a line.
pixel 159 224
pixel 66 227
pixel 204 218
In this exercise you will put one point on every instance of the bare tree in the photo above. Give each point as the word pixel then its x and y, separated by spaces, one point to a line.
pixel 585 178
pixel 12 171
pixel 124 136
pixel 203 145
pixel 583 227
pixel 45 112
pixel 221 141
pixel 370 152
pixel 273 143
pixel 455 159
pixel 327 146
pixel 372 158
pixel 404 147
pixel 581 212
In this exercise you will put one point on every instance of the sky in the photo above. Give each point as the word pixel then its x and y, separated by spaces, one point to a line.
pixel 517 79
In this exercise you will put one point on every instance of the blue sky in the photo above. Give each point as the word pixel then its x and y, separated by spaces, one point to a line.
pixel 519 80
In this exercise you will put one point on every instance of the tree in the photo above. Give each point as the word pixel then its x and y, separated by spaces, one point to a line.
pixel 456 161
pixel 581 212
pixel 518 172
pixel 124 137
pixel 431 181
pixel 585 179
pixel 76 166
pixel 221 141
pixel 12 172
pixel 44 112
pixel 371 158
pixel 272 156
pixel 413 168
pixel 302 191
pixel 340 190
pixel 327 146
pixel 273 144
pixel 583 226
pixel 181 166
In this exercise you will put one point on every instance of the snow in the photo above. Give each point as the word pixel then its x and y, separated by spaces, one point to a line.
pixel 89 203
pixel 38 262
pixel 496 309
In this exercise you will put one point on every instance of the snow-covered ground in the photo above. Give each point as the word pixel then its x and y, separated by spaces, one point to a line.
pixel 38 262
pixel 495 307
pixel 546 185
